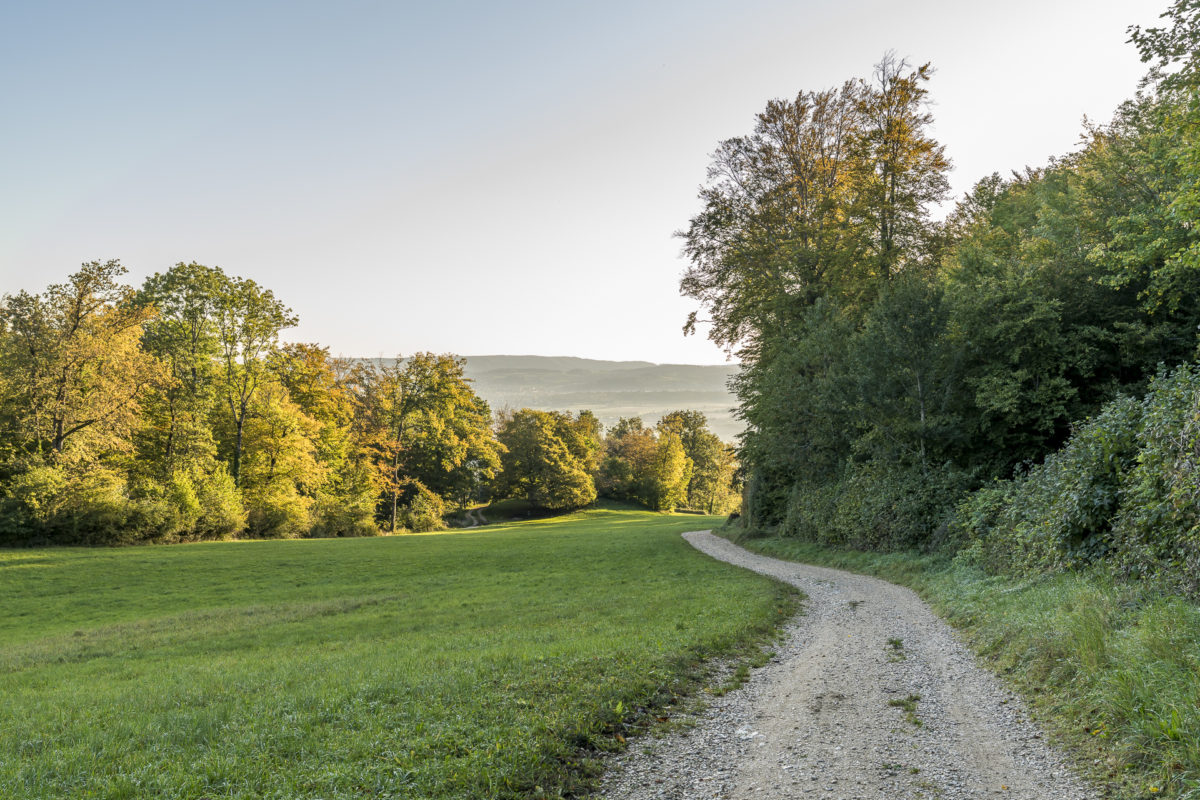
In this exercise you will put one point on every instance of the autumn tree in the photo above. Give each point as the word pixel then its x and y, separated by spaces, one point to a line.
pixel 74 365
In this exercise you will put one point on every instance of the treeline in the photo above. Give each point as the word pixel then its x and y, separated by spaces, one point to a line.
pixel 173 412
pixel 556 461
pixel 897 367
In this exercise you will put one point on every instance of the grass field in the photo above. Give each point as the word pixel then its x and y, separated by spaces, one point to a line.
pixel 1113 669
pixel 474 664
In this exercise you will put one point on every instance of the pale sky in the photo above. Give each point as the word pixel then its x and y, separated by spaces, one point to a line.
pixel 476 177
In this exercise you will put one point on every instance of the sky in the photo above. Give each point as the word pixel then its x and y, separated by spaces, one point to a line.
pixel 477 177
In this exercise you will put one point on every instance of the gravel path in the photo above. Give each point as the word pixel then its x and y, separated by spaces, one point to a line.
pixel 870 696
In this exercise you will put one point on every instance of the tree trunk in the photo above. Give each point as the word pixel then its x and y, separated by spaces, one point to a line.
pixel 237 454
pixel 395 486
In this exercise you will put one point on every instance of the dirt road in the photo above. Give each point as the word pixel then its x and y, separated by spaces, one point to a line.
pixel 870 697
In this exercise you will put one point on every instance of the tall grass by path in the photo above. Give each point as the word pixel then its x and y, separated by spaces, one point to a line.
pixel 480 664
pixel 1112 669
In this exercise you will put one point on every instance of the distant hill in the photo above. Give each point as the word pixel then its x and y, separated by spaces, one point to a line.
pixel 610 389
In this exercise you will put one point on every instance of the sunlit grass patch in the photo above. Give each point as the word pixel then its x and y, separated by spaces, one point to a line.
pixel 482 664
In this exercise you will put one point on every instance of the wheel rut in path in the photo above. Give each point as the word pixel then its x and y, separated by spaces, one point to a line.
pixel 870 697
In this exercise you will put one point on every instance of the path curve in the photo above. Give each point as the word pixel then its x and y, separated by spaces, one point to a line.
pixel 826 717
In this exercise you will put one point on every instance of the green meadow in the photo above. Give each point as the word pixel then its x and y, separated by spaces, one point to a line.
pixel 491 663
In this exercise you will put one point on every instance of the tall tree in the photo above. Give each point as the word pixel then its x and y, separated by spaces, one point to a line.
pixel 899 169
pixel 773 233
pixel 248 322
pixel 183 335
pixel 74 363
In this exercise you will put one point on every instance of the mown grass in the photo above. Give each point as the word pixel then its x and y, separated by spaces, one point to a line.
pixel 1112 669
pixel 478 664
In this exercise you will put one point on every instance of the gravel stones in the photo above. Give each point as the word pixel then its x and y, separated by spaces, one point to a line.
pixel 869 697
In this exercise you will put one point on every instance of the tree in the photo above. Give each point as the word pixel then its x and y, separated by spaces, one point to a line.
pixel 772 236
pixel 806 223
pixel 385 406
pixel 176 431
pixel 344 499
pixel 74 364
pixel 907 373
pixel 627 468
pixel 899 170
pixel 423 422
pixel 450 449
pixel 671 475
pixel 538 463
pixel 713 464
pixel 281 473
pixel 248 322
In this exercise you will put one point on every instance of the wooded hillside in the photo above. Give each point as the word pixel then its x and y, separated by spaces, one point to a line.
pixel 897 366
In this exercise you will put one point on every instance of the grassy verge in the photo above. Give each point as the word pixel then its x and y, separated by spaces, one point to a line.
pixel 479 664
pixel 1112 670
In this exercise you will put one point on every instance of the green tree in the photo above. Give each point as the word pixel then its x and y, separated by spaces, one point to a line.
pixel 280 473
pixel 344 500
pixel 538 463
pixel 711 486
pixel 423 422
pixel 627 467
pixel 248 320
pixel 450 448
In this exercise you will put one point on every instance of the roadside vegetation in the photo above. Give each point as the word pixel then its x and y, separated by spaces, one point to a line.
pixel 456 665
pixel 1112 668
pixel 1008 399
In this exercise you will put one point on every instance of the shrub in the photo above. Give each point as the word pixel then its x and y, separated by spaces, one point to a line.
pixel 876 507
pixel 1057 515
pixel 421 510
pixel 277 511
pixel 1157 532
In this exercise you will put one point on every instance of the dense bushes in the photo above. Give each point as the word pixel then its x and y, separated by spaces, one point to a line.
pixel 1057 514
pixel 1157 529
pixel 1124 489
pixel 873 508
pixel 51 504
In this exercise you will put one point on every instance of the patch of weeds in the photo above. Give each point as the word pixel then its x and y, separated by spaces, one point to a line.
pixel 761 658
pixel 896 651
pixel 854 604
pixel 909 704
pixel 734 681
pixel 753 660
pixel 929 786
